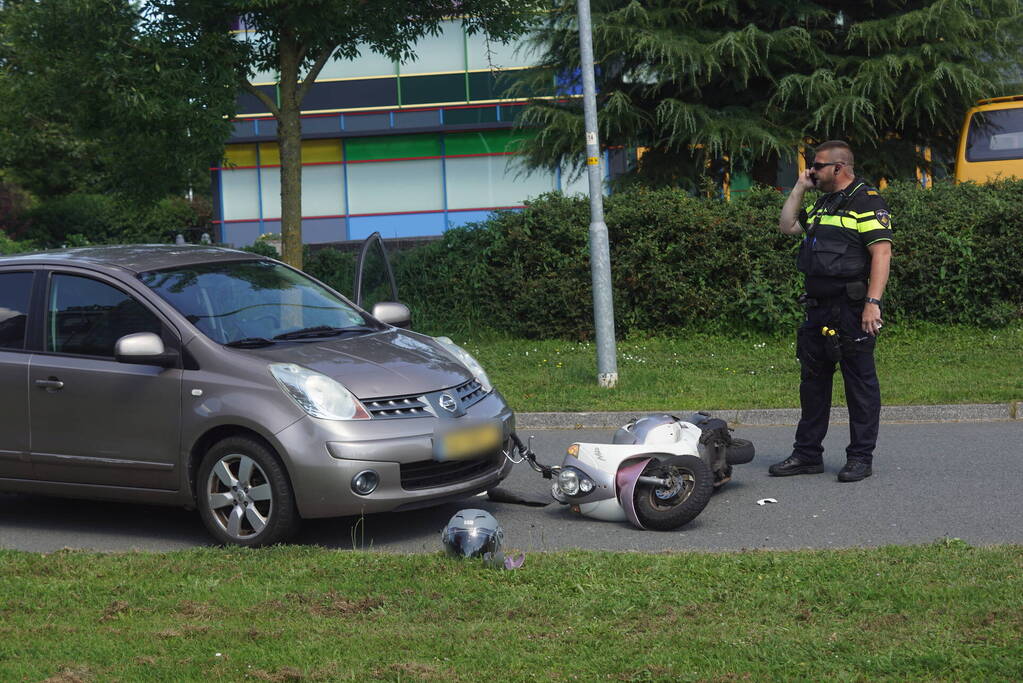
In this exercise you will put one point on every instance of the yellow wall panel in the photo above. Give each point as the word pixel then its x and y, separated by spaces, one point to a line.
pixel 320 151
pixel 240 155
pixel 269 154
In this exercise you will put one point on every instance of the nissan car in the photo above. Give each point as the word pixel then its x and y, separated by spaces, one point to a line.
pixel 232 383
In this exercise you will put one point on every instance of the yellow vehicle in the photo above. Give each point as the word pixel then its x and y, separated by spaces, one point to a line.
pixel 991 142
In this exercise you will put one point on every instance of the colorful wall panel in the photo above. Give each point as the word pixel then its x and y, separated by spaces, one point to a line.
pixel 401 185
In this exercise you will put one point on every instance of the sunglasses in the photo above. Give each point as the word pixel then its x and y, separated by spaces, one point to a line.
pixel 817 166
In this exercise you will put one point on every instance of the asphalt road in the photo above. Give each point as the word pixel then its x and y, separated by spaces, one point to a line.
pixel 931 481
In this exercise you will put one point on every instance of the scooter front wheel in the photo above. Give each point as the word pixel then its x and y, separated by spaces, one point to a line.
pixel 686 487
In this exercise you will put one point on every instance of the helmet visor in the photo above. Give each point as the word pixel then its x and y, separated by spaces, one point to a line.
pixel 470 542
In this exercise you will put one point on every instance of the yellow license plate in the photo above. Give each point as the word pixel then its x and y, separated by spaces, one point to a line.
pixel 470 441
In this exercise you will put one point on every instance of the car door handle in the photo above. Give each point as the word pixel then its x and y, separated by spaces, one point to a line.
pixel 51 384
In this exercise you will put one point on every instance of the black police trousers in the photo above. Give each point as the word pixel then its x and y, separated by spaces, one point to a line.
pixel 859 374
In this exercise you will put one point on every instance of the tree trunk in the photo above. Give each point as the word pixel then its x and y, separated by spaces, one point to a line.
pixel 289 138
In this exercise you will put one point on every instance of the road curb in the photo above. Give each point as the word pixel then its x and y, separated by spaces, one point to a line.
pixel 978 412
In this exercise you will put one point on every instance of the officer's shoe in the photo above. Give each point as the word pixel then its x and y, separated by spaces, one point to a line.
pixel 855 470
pixel 793 465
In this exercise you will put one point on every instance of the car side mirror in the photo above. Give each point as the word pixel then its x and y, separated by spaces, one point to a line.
pixel 144 348
pixel 393 313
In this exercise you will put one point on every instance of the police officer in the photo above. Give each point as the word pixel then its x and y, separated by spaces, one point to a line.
pixel 845 255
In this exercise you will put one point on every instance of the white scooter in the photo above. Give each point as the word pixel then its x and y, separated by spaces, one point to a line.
pixel 659 471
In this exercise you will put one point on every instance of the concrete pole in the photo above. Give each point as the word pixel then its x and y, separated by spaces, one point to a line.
pixel 600 255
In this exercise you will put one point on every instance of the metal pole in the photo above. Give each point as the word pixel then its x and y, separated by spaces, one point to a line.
pixel 600 255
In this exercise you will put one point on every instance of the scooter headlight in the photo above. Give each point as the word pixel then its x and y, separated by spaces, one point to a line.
pixel 573 482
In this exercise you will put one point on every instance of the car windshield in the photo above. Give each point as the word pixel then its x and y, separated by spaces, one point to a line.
pixel 252 303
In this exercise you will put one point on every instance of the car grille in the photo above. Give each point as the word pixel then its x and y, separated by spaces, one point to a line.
pixel 399 406
pixel 468 393
pixel 427 474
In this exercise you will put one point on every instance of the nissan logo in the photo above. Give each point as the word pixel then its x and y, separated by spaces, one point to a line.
pixel 447 402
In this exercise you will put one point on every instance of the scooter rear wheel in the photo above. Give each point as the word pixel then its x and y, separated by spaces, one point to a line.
pixel 664 508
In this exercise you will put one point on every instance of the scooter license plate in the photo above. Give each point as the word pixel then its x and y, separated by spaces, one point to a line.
pixel 466 442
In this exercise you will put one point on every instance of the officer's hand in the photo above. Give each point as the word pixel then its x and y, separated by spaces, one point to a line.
pixel 805 180
pixel 871 320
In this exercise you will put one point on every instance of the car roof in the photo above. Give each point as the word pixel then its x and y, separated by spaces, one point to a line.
pixel 136 258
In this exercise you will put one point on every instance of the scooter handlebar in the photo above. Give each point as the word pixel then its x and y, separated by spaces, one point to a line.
pixel 527 454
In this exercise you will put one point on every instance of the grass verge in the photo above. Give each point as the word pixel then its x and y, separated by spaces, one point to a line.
pixel 944 611
pixel 917 365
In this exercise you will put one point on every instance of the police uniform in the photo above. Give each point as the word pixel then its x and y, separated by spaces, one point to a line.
pixel 834 257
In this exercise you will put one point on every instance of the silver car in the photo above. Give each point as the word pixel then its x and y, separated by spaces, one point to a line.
pixel 213 378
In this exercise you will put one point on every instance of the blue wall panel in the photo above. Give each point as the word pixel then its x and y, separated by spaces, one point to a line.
pixel 459 218
pixel 239 234
pixel 404 225
pixel 317 230
pixel 273 226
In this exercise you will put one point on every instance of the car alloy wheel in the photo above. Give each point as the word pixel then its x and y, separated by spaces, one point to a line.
pixel 240 497
pixel 244 494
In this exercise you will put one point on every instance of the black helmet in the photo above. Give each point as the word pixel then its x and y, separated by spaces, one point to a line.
pixel 471 533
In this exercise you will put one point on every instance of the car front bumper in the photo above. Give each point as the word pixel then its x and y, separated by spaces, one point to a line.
pixel 322 458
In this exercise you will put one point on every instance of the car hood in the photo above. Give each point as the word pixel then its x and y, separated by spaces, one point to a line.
pixel 389 363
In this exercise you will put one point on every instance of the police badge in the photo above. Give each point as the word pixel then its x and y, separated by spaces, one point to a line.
pixel 883 217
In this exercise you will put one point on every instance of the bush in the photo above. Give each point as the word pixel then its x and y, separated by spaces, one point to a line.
pixel 681 261
pixel 336 268
pixel 676 261
pixel 9 246
pixel 959 250
pixel 79 219
pixel 262 248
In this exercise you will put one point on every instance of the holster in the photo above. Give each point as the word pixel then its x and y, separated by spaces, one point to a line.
pixel 833 345
pixel 856 290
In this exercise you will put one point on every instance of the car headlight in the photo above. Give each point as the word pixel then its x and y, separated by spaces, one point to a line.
pixel 317 394
pixel 470 363
pixel 573 482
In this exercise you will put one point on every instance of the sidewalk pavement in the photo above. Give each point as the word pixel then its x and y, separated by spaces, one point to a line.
pixel 982 412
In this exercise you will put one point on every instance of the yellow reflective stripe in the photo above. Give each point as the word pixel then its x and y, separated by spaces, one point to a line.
pixel 838 221
pixel 879 239
pixel 867 226
pixel 865 214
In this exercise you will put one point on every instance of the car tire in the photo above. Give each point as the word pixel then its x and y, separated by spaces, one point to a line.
pixel 244 494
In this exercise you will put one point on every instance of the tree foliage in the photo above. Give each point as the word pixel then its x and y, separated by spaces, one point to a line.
pixel 749 80
pixel 296 38
pixel 94 99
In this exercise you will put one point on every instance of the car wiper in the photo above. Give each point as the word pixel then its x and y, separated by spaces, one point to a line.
pixel 323 331
pixel 250 342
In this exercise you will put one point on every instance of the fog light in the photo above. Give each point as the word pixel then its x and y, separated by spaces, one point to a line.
pixel 365 482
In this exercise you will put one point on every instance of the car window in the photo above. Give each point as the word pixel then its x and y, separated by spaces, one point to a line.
pixel 87 317
pixel 15 292
pixel 995 135
pixel 250 299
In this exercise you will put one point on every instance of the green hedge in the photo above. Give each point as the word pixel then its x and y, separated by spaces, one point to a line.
pixel 680 261
pixel 80 219
pixel 10 246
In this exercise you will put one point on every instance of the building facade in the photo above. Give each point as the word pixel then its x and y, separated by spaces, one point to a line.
pixel 402 149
